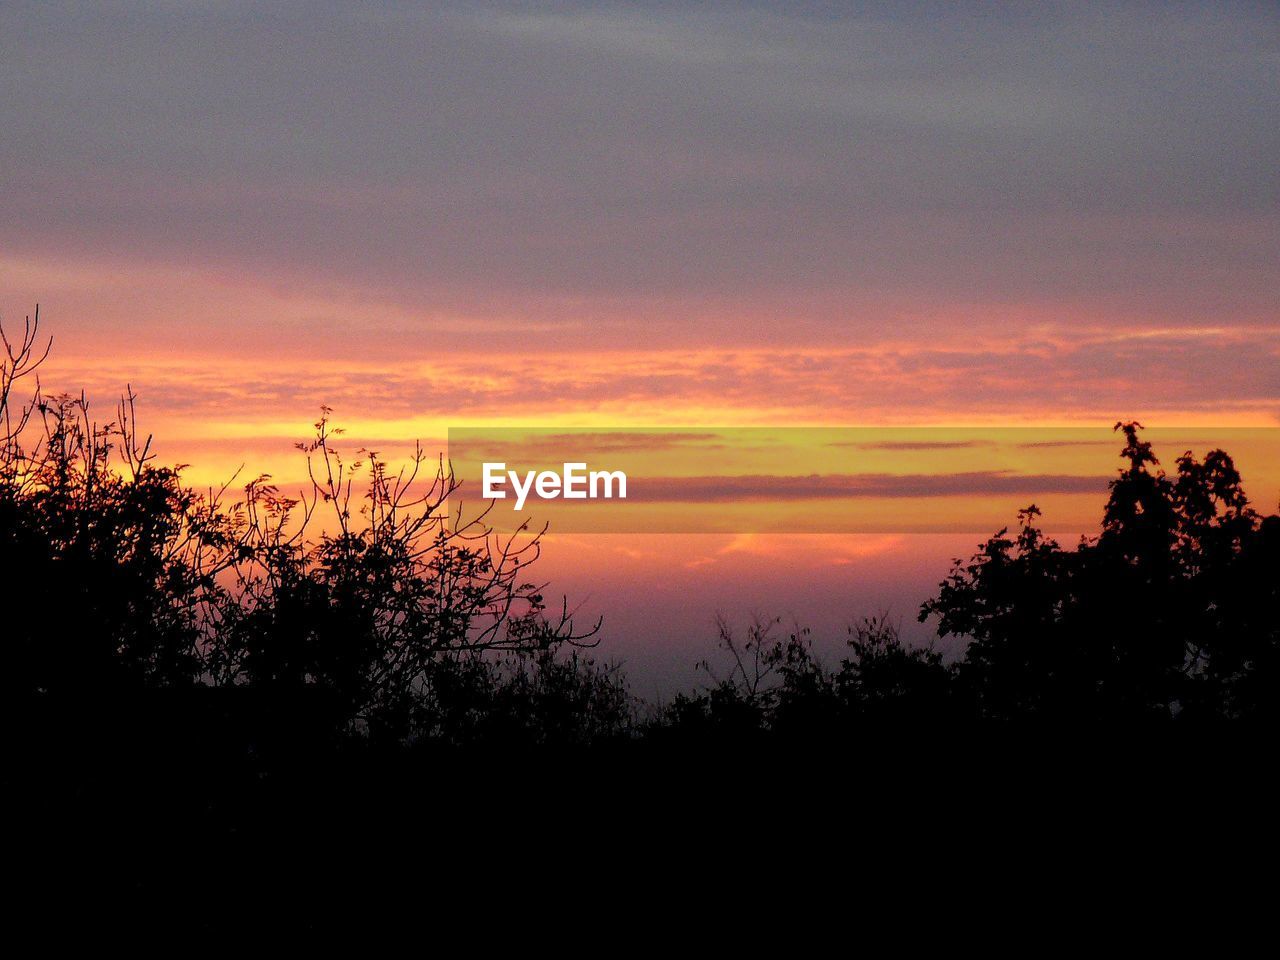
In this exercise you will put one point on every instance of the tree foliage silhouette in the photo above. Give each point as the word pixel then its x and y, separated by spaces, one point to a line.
pixel 358 604
pixel 1172 610
pixel 362 607
pixel 777 686
pixel 258 676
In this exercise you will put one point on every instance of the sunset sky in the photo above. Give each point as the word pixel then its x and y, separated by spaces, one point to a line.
pixel 668 214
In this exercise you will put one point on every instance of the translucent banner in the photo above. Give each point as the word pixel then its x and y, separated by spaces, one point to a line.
pixel 819 479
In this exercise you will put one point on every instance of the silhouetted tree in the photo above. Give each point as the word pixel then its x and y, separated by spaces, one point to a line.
pixel 777 686
pixel 1171 611
pixel 94 582
pixel 114 576
pixel 364 607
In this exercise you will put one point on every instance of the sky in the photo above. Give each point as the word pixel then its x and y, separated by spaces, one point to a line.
pixel 668 214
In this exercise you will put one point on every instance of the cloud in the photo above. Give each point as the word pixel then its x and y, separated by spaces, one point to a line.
pixel 915 445
pixel 877 486
pixel 1076 377
pixel 513 445
pixel 691 171
pixel 837 549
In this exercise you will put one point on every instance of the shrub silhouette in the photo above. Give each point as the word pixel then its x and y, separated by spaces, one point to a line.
pixel 93 594
pixel 777 687
pixel 117 579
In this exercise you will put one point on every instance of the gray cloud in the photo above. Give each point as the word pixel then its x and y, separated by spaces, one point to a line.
pixel 831 168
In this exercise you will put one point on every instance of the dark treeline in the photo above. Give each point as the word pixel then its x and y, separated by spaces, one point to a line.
pixel 356 613
pixel 200 667
pixel 1170 615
